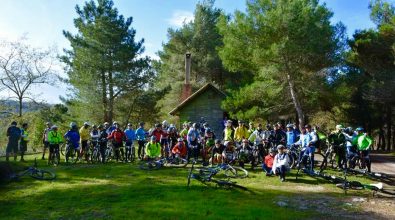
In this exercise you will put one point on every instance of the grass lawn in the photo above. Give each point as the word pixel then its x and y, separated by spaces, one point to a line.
pixel 123 191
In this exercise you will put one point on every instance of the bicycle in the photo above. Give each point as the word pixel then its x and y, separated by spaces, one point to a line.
pixel 55 157
pixel 293 155
pixel 206 175
pixel 307 167
pixel 329 157
pixel 230 171
pixel 175 162
pixel 377 188
pixel 387 178
pixel 71 154
pixel 95 156
pixel 35 173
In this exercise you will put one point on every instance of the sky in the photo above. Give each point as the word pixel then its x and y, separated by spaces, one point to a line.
pixel 43 21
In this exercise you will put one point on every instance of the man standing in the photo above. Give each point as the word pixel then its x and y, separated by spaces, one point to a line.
pixel 117 136
pixel 23 141
pixel 13 134
pixel 241 132
pixel 292 136
pixel 338 140
pixel 45 138
pixel 140 136
pixel 130 137
pixel 85 135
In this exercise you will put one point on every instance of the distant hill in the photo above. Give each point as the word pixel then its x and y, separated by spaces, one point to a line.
pixel 7 106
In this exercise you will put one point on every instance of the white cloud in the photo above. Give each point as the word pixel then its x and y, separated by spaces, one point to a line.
pixel 179 17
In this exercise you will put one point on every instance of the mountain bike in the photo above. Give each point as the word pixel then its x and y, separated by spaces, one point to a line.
pixel 377 188
pixel 71 154
pixel 293 154
pixel 95 156
pixel 55 157
pixel 306 166
pixel 387 178
pixel 329 158
pixel 164 162
pixel 35 173
pixel 230 171
pixel 205 176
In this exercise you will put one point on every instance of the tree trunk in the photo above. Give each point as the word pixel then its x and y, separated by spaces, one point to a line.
pixel 389 126
pixel 381 144
pixel 20 105
pixel 104 96
pixel 111 97
pixel 296 102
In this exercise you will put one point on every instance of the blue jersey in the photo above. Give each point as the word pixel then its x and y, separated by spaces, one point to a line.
pixel 292 137
pixel 140 134
pixel 73 137
pixel 130 135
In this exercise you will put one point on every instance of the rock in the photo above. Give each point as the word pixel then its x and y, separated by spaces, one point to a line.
pixel 359 199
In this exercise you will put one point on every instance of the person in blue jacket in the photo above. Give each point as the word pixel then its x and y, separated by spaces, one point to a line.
pixel 292 135
pixel 73 138
pixel 130 137
pixel 140 137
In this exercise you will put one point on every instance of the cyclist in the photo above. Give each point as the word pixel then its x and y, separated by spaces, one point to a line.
pixel 338 140
pixel 216 152
pixel 164 139
pixel 173 136
pixel 180 149
pixel 103 142
pixel 267 165
pixel 303 142
pixel 73 139
pixel 209 142
pixel 85 136
pixel 241 132
pixel 107 128
pixel 205 127
pixel 257 137
pixel 193 141
pixel 24 140
pixel 184 131
pixel 54 139
pixel 278 136
pixel 95 135
pixel 229 132
pixel 245 153
pixel 152 149
pixel 281 163
pixel 350 135
pixel 312 144
pixel 45 138
pixel 140 136
pixel 14 135
pixel 251 129
pixel 364 143
pixel 130 135
pixel 117 136
pixel 229 153
pixel 292 136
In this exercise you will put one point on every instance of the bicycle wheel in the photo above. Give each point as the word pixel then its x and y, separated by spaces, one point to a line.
pixel 42 174
pixel 236 172
pixel 351 185
pixel 71 156
pixel 176 162
pixel 190 174
pixel 150 165
pixel 63 149
pixel 56 159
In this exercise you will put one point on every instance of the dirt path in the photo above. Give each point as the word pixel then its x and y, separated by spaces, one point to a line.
pixel 384 163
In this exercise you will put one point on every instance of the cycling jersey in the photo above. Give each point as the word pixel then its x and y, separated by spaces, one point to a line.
pixel 256 137
pixel 291 137
pixel 180 149
pixel 228 134
pixel 240 133
pixel 95 135
pixel 152 149
pixel 157 133
pixel 73 137
pixel 364 142
pixel 130 135
pixel 54 137
pixel 84 133
pixel 117 136
pixel 140 134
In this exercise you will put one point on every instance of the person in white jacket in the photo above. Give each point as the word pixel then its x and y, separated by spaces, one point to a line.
pixel 281 163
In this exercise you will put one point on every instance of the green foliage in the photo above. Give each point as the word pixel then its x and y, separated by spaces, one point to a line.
pixel 290 47
pixel 105 60
pixel 201 38
pixel 381 12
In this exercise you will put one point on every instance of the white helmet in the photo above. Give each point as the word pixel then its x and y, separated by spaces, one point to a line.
pixel 72 124
pixel 86 123
pixel 165 123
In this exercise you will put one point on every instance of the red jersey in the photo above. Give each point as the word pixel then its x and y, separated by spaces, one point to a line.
pixel 180 149
pixel 269 161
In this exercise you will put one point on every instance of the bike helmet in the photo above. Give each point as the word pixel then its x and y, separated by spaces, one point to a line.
pixel 180 140
pixel 141 124
pixel 153 138
pixel 158 125
pixel 130 125
pixel 359 129
pixel 115 123
pixel 165 123
pixel 94 126
pixel 217 141
pixel 54 127
pixel 339 127
pixel 290 125
pixel 227 143
pixel 308 126
pixel 245 141
pixel 280 147
pixel 106 123
pixel 14 123
pixel 272 150
pixel 205 124
pixel 208 130
pixel 73 124
pixel 48 123
pixel 195 125
pixel 86 123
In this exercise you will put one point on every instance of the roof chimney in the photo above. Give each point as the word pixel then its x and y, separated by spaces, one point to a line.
pixel 186 88
pixel 187 67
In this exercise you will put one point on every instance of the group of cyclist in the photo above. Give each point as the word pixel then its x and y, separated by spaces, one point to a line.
pixel 242 144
